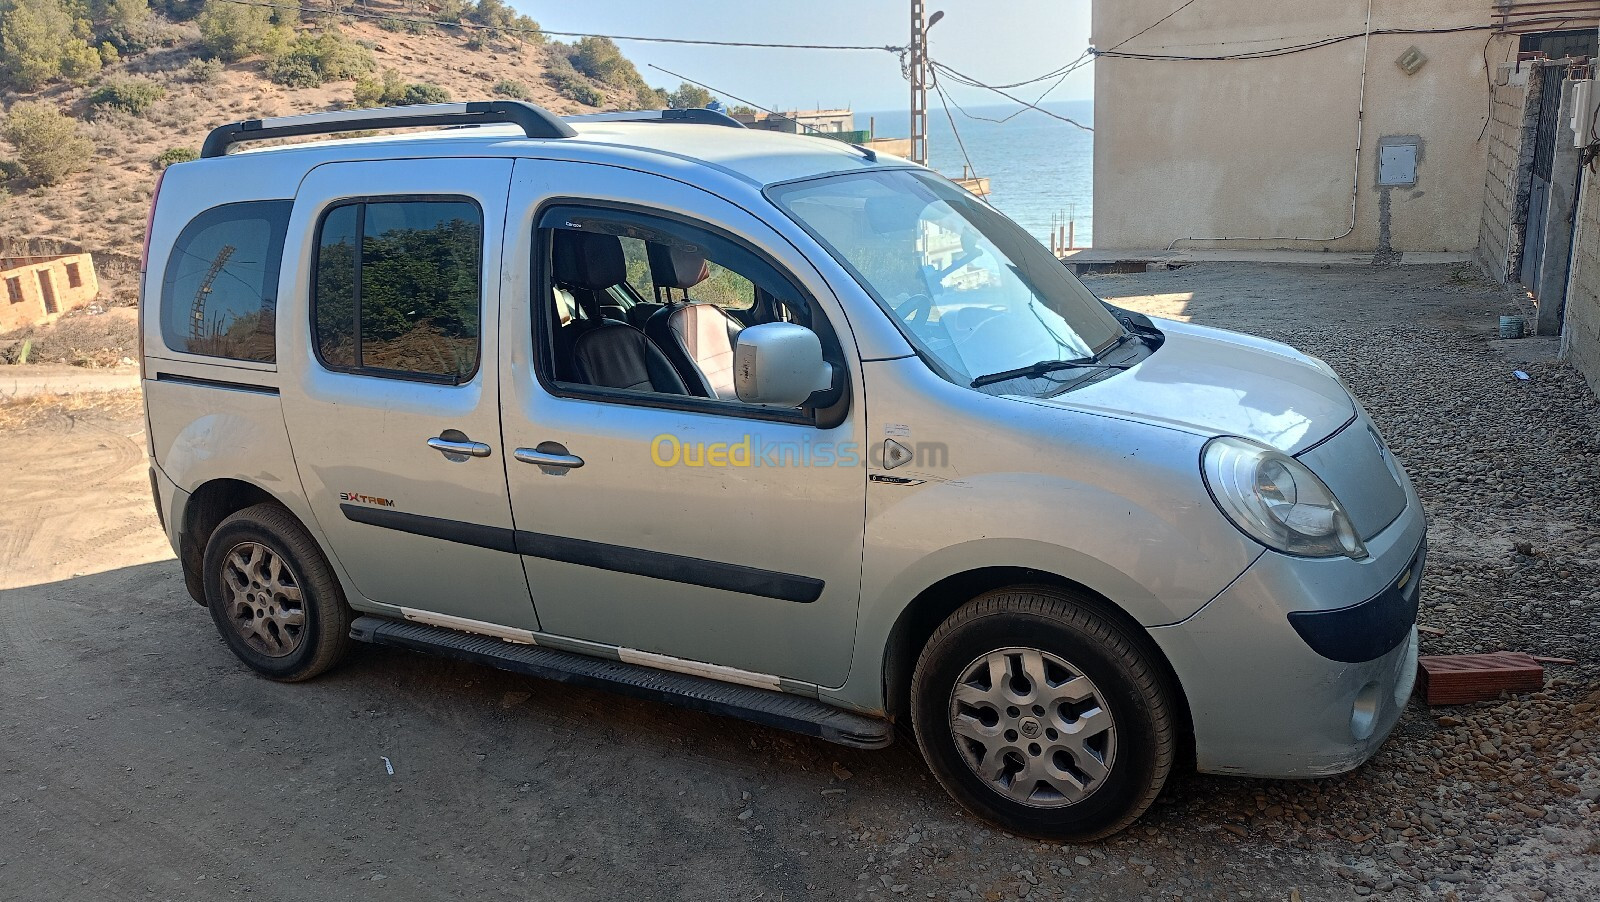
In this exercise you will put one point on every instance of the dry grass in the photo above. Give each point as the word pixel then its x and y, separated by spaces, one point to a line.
pixel 40 410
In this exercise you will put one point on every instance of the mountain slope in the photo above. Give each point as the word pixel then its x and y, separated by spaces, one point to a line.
pixel 103 207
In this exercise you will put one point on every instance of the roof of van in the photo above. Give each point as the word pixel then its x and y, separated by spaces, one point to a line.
pixel 757 156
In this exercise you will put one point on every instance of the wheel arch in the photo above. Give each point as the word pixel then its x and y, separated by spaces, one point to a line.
pixel 934 604
pixel 208 505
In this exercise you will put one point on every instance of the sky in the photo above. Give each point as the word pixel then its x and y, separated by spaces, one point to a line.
pixel 993 42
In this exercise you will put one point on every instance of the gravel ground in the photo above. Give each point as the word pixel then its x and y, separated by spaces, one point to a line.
pixel 138 760
pixel 1487 800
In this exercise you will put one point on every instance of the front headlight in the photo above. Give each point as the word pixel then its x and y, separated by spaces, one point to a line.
pixel 1277 500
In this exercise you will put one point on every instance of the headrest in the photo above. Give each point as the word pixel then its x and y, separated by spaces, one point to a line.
pixel 672 267
pixel 588 260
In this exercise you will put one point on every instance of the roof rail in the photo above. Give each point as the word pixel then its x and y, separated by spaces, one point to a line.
pixel 695 117
pixel 536 122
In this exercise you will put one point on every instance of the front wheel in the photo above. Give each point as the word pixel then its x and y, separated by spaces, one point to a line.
pixel 1042 716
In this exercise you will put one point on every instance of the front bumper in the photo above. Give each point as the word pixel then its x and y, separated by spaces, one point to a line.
pixel 1285 677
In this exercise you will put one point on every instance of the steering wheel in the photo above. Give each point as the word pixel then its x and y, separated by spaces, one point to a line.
pixel 914 309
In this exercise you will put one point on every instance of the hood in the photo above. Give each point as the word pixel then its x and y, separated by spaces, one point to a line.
pixel 1211 382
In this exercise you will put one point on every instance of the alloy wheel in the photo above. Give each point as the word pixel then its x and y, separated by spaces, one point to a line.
pixel 264 604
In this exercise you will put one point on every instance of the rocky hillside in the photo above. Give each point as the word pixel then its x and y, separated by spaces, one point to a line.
pixel 138 84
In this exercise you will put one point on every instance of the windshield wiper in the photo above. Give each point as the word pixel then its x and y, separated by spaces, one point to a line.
pixel 1045 367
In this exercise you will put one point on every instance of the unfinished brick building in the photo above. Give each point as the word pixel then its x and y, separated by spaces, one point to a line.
pixel 39 289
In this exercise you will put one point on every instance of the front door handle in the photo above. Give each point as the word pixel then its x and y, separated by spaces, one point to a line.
pixel 458 448
pixel 545 456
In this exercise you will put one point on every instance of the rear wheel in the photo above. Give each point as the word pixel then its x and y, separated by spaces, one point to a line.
pixel 1042 716
pixel 273 596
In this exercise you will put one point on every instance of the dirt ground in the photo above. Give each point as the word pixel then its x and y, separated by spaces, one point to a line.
pixel 139 760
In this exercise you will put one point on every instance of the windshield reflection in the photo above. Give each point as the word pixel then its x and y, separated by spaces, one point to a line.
pixel 969 288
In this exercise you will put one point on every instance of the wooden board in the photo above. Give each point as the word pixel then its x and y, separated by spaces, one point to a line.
pixel 1457 679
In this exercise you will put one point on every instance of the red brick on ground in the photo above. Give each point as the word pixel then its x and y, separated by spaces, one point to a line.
pixel 1457 679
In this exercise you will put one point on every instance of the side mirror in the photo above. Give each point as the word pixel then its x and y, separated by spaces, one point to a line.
pixel 779 364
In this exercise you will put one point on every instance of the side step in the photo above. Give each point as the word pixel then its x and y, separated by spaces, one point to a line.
pixel 773 709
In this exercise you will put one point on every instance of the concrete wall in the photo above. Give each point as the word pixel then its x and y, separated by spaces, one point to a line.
pixel 1515 107
pixel 1267 147
pixel 22 287
pixel 1580 339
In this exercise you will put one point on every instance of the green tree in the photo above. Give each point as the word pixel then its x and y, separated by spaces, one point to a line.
pixel 42 41
pixel 689 97
pixel 600 59
pixel 125 24
pixel 503 21
pixel 232 31
pixel 49 145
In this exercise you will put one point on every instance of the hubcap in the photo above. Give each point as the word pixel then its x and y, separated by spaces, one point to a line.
pixel 1032 727
pixel 264 601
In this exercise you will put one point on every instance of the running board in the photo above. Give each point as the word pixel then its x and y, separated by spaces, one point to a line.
pixel 762 706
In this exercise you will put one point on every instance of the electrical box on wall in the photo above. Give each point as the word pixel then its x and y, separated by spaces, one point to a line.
pixel 1398 156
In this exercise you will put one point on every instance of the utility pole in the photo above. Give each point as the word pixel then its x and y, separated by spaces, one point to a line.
pixel 919 81
pixel 919 86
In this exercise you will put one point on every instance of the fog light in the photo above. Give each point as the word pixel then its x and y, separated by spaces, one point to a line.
pixel 1364 713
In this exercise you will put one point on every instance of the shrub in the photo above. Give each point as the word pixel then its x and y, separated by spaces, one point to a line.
pixel 372 91
pixel 231 31
pixel 505 87
pixel 404 26
pixel 577 89
pixel 311 60
pixel 49 145
pixel 569 83
pixel 126 25
pixel 130 95
pixel 392 90
pixel 294 72
pixel 175 155
pixel 689 97
pixel 424 93
pixel 202 71
pixel 41 41
pixel 600 59
pixel 178 10
pixel 475 41
pixel 10 169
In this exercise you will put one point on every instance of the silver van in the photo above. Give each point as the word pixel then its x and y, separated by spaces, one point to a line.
pixel 764 425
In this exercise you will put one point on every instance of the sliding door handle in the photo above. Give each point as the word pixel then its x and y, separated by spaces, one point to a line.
pixel 458 449
pixel 547 457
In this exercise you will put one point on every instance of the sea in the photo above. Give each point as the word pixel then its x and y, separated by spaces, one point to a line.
pixel 1040 169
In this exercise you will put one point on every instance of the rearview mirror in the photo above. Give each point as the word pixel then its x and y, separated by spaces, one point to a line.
pixel 779 364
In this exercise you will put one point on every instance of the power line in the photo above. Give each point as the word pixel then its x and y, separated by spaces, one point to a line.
pixel 562 34
pixel 945 102
pixel 1141 31
pixel 1309 45
pixel 969 80
pixel 1060 73
pixel 1059 70
pixel 870 153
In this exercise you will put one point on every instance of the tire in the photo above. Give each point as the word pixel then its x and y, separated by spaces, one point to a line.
pixel 1096 758
pixel 273 596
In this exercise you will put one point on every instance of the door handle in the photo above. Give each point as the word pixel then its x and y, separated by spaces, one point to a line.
pixel 561 460
pixel 458 449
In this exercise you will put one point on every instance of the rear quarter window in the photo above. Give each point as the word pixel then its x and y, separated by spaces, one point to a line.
pixel 219 294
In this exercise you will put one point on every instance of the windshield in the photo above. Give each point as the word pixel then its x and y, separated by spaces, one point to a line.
pixel 970 289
